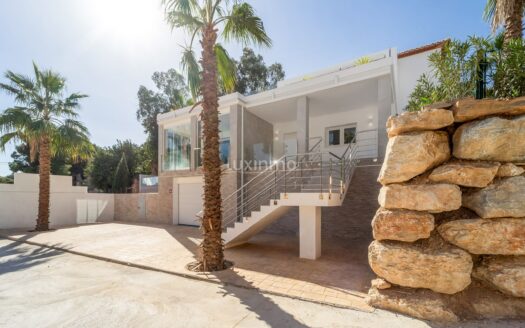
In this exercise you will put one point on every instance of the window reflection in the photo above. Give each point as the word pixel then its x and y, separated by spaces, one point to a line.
pixel 224 140
pixel 177 151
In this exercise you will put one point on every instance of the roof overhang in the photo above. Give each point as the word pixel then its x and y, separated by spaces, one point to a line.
pixel 375 65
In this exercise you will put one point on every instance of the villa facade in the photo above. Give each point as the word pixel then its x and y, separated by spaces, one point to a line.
pixel 324 122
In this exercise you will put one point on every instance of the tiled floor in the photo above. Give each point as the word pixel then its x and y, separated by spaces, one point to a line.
pixel 269 262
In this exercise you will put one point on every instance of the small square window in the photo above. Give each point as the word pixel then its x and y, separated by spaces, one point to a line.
pixel 333 137
pixel 337 136
pixel 349 134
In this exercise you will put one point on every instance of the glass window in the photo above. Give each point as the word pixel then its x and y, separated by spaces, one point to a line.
pixel 333 137
pixel 177 147
pixel 224 140
pixel 334 134
pixel 349 134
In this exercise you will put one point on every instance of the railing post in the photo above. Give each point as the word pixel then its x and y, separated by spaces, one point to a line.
pixel 321 177
pixel 285 165
pixel 242 204
pixel 301 174
pixel 330 181
pixel 343 177
pixel 275 184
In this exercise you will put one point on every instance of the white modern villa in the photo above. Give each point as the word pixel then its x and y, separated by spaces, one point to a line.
pixel 294 146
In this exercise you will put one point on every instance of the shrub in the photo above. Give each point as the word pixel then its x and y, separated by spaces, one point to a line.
pixel 425 93
pixel 456 69
pixel 509 75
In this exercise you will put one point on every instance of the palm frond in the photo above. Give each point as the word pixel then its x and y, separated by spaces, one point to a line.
pixel 15 118
pixel 184 6
pixel 53 82
pixel 177 19
pixel 71 140
pixel 226 68
pixel 68 106
pixel 77 126
pixel 190 66
pixel 21 87
pixel 8 137
pixel 38 75
pixel 243 25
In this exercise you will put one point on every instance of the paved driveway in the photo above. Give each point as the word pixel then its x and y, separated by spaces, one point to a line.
pixel 41 287
pixel 269 262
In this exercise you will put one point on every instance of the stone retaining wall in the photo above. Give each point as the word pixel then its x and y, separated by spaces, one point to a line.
pixel 450 231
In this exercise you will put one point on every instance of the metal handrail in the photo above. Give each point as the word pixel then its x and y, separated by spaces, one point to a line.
pixel 316 145
pixel 269 183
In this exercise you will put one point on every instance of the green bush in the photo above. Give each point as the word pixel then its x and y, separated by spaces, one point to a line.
pixel 455 71
pixel 425 93
pixel 509 75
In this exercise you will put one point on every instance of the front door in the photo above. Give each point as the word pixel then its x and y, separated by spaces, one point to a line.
pixel 290 144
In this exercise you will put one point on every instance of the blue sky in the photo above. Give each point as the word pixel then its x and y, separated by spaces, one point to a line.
pixel 107 48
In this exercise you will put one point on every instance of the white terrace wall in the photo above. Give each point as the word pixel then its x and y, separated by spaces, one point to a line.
pixel 69 204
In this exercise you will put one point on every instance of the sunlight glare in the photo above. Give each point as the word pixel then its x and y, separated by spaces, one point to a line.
pixel 127 23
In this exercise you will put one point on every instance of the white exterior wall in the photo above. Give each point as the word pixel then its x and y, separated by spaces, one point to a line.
pixel 69 204
pixel 409 70
pixel 366 118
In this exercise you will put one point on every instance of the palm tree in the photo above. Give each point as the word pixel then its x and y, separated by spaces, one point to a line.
pixel 46 121
pixel 508 13
pixel 203 19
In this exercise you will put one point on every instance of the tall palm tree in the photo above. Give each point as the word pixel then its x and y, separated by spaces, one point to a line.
pixel 508 13
pixel 203 20
pixel 46 120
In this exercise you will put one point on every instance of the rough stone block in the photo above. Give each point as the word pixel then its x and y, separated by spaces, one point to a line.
pixel 467 174
pixel 444 269
pixel 430 119
pixel 420 304
pixel 505 236
pixel 504 273
pixel 503 198
pixel 411 154
pixel 491 139
pixel 433 198
pixel 470 109
pixel 509 170
pixel 402 225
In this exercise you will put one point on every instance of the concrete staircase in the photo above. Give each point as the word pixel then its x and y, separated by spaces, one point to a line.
pixel 318 179
pixel 242 231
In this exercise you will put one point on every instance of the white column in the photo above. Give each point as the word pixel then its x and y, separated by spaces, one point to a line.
pixel 309 232
pixel 303 124
pixel 384 110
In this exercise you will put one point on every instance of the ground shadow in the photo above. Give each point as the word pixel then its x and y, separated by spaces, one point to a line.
pixel 22 257
pixel 264 307
pixel 341 268
pixel 251 297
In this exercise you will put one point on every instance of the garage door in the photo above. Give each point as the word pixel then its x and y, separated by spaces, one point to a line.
pixel 190 203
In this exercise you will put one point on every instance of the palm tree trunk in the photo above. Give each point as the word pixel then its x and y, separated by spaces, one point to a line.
pixel 212 255
pixel 514 22
pixel 44 171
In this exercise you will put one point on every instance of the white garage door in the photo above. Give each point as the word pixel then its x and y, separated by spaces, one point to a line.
pixel 190 203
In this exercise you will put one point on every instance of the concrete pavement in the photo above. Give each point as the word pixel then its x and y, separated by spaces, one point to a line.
pixel 41 287
pixel 269 262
